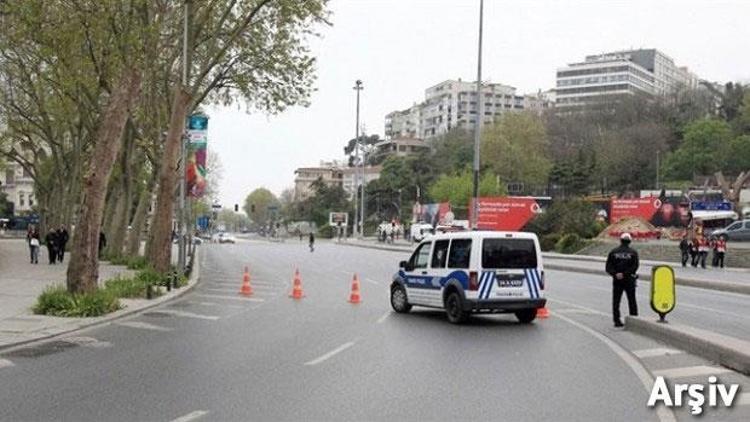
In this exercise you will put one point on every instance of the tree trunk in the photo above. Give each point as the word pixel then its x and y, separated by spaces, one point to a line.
pixel 121 218
pixel 160 247
pixel 83 270
pixel 139 219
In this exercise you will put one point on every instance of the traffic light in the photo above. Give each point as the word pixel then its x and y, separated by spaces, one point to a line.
pixel 236 207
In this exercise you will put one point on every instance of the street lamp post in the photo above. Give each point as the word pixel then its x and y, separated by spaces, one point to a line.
pixel 478 127
pixel 357 219
pixel 181 253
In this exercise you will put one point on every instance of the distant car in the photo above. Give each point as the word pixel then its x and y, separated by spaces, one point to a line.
pixel 465 272
pixel 227 238
pixel 739 230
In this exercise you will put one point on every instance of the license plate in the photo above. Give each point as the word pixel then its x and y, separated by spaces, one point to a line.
pixel 509 280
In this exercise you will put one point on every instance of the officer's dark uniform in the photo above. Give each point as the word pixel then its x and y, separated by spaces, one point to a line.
pixel 623 259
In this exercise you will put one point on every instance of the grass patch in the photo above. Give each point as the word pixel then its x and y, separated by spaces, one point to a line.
pixel 129 287
pixel 57 301
pixel 137 263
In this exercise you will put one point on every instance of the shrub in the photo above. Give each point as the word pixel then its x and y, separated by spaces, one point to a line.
pixel 571 216
pixel 137 263
pixel 570 243
pixel 549 241
pixel 57 301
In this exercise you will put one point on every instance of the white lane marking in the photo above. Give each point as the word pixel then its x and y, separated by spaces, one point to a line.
pixel 659 351
pixel 5 363
pixel 191 416
pixel 575 311
pixel 744 399
pixel 690 371
pixel 238 297
pixel 87 342
pixel 372 281
pixel 383 318
pixel 330 354
pixel 590 310
pixel 142 325
pixel 187 314
pixel 664 414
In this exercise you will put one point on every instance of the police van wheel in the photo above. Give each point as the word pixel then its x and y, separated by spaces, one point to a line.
pixel 526 316
pixel 454 308
pixel 398 300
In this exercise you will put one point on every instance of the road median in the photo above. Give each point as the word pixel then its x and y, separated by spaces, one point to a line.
pixel 727 351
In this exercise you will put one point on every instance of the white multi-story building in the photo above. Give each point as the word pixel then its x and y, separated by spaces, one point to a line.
pixel 646 71
pixel 332 173
pixel 352 175
pixel 18 185
pixel 453 104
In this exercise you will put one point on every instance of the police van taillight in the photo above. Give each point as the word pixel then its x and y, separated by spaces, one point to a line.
pixel 473 280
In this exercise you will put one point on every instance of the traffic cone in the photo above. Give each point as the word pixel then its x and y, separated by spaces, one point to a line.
pixel 246 289
pixel 354 295
pixel 542 313
pixel 297 286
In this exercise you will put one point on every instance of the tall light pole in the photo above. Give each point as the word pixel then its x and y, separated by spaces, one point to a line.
pixel 181 252
pixel 357 219
pixel 478 127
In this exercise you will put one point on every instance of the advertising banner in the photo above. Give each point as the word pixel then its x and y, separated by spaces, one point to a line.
pixel 661 212
pixel 431 213
pixel 196 155
pixel 505 213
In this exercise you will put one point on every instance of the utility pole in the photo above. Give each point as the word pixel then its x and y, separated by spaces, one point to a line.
pixel 357 219
pixel 181 254
pixel 478 127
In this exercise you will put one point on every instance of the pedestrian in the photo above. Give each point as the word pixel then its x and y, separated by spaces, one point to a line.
pixel 721 250
pixel 694 252
pixel 714 255
pixel 622 265
pixel 393 232
pixel 32 236
pixel 62 241
pixel 50 240
pixel 702 251
pixel 312 242
pixel 102 243
pixel 684 250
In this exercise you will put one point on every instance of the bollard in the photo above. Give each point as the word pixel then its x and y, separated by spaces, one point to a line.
pixel 149 292
pixel 169 283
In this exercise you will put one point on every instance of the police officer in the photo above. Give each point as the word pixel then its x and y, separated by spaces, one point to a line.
pixel 622 265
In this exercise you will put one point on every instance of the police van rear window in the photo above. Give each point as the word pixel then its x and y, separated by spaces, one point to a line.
pixel 508 253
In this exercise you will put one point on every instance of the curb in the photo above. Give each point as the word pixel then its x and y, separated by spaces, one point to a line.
pixel 724 350
pixel 192 282
pixel 723 286
pixel 381 248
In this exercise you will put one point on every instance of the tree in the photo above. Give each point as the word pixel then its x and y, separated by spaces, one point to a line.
pixel 249 50
pixel 454 150
pixel 515 148
pixel 367 143
pixel 703 150
pixel 259 206
pixel 732 191
pixel 457 189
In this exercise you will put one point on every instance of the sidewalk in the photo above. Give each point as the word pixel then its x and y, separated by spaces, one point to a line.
pixel 21 283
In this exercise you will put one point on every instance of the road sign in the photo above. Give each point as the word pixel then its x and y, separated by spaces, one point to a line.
pixel 663 296
pixel 335 218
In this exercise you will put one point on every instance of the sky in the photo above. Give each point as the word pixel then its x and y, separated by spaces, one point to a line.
pixel 398 48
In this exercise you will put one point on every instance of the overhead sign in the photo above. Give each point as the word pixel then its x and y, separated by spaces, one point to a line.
pixel 663 298
pixel 505 213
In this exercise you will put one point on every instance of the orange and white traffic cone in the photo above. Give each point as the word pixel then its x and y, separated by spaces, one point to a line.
pixel 354 296
pixel 542 313
pixel 246 289
pixel 297 286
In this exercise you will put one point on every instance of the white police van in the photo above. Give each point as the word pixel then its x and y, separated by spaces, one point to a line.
pixel 473 271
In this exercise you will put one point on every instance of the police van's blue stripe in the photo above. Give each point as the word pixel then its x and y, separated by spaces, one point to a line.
pixel 528 284
pixel 481 285
pixel 536 282
pixel 484 285
pixel 490 283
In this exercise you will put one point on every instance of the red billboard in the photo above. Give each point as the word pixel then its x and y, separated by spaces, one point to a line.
pixel 505 213
pixel 644 208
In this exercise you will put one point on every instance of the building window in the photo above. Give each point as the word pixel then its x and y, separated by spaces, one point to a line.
pixel 21 201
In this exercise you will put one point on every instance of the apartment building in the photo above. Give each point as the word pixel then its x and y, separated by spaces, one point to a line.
pixel 603 76
pixel 18 185
pixel 454 104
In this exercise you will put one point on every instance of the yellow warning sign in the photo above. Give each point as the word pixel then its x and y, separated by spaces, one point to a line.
pixel 663 297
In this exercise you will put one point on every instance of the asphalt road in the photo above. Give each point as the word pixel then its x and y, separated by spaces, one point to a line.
pixel 213 355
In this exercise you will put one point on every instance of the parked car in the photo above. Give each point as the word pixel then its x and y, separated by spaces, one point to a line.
pixel 739 230
pixel 226 238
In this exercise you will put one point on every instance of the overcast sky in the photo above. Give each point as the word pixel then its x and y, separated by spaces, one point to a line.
pixel 400 47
